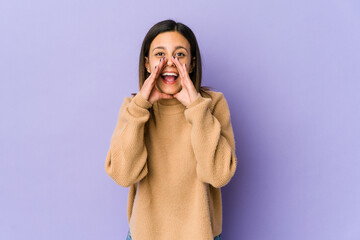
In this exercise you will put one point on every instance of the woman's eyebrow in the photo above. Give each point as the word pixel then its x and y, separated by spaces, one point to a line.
pixel 161 47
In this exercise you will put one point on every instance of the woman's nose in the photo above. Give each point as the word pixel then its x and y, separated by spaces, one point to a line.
pixel 170 61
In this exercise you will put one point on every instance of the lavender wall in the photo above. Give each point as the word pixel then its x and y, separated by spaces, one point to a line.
pixel 289 70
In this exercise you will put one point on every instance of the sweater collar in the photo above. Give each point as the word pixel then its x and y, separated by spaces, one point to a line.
pixel 168 106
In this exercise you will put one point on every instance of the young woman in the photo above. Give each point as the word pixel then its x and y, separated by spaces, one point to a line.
pixel 173 144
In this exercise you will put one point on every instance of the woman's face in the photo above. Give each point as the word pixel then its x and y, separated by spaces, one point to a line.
pixel 169 44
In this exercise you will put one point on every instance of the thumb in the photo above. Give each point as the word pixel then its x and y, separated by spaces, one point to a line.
pixel 164 95
pixel 176 95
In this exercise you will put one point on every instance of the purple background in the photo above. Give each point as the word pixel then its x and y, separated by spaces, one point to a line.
pixel 289 70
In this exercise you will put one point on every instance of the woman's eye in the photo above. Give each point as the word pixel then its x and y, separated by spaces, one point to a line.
pixel 181 54
pixel 177 54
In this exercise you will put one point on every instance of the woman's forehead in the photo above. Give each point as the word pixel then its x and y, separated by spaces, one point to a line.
pixel 169 40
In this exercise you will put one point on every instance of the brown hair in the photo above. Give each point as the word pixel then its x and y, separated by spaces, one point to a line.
pixel 168 26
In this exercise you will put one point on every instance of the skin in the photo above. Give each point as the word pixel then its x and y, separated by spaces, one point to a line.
pixel 165 56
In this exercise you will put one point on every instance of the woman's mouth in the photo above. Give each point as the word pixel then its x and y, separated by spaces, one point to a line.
pixel 169 78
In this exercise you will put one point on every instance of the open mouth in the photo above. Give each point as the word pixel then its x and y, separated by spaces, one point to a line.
pixel 169 78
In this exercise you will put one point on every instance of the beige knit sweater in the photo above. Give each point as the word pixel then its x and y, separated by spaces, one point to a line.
pixel 175 162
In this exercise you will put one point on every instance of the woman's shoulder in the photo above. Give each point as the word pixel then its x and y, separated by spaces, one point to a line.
pixel 130 97
pixel 204 92
pixel 212 94
pixel 215 96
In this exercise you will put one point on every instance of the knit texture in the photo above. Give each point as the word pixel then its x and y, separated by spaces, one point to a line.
pixel 175 162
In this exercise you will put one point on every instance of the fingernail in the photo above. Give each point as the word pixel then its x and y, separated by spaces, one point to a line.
pixel 178 59
pixel 155 67
pixel 164 58
pixel 185 64
pixel 160 60
pixel 173 57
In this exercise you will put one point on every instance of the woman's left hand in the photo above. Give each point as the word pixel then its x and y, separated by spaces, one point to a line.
pixel 188 91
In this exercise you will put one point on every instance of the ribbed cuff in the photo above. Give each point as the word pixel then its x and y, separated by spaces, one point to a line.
pixel 140 101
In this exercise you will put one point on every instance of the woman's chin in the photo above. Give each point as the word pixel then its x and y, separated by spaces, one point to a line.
pixel 168 89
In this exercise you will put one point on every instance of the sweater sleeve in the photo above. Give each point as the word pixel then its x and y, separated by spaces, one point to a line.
pixel 212 139
pixel 126 160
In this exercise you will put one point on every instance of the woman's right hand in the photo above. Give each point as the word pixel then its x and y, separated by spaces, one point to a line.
pixel 148 90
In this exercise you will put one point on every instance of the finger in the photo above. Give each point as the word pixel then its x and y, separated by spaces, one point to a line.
pixel 185 70
pixel 187 79
pixel 152 76
pixel 155 73
pixel 161 66
pixel 184 74
pixel 178 66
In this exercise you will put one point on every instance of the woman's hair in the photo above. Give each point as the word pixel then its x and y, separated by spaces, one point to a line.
pixel 169 26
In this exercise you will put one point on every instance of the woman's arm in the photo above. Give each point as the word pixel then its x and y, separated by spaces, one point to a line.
pixel 212 139
pixel 126 160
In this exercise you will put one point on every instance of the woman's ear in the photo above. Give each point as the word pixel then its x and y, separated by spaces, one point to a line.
pixel 192 65
pixel 147 65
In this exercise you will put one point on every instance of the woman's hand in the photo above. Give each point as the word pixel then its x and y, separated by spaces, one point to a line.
pixel 188 91
pixel 148 91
